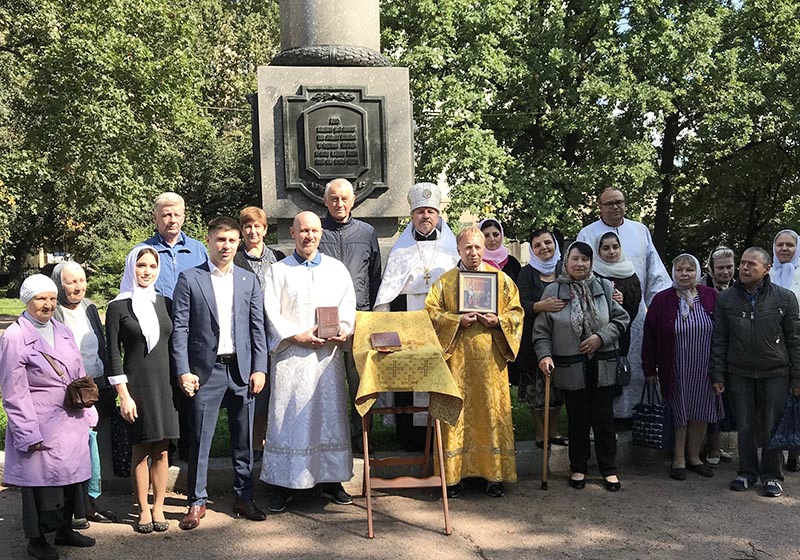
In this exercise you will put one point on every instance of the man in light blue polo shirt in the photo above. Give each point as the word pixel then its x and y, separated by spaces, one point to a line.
pixel 177 251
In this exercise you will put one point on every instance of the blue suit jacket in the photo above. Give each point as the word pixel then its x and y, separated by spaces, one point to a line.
pixel 195 333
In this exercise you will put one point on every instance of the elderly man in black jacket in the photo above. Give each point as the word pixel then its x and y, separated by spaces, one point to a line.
pixel 755 354
pixel 355 243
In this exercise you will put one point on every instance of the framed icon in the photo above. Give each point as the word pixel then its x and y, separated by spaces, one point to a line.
pixel 477 292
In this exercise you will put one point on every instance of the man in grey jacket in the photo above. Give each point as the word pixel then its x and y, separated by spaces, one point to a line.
pixel 755 354
pixel 355 244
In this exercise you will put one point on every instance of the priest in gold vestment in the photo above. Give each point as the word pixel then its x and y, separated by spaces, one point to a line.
pixel 477 347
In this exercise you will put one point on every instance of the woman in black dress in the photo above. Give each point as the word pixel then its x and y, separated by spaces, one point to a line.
pixel 542 269
pixel 137 323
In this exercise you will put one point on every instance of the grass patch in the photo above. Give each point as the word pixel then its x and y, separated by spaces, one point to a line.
pixel 11 306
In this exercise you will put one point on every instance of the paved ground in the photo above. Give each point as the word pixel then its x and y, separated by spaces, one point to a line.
pixel 652 517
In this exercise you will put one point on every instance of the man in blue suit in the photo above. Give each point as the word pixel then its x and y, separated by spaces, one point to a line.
pixel 220 351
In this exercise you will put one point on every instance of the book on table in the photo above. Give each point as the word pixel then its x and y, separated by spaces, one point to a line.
pixel 385 341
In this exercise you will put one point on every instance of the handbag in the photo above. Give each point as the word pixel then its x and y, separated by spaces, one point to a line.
pixel 786 434
pixel 623 371
pixel 653 421
pixel 120 446
pixel 81 392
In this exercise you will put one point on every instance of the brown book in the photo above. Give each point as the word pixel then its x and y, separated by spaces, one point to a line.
pixel 327 322
pixel 385 341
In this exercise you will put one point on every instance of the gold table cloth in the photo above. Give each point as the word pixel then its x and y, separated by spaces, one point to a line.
pixel 418 367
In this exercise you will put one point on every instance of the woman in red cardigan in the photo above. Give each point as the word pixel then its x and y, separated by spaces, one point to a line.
pixel 675 351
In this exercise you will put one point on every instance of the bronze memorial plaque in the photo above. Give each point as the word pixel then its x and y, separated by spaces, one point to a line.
pixel 333 132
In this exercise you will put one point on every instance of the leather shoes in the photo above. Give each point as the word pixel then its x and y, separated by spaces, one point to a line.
pixel 98 516
pixel 577 484
pixel 677 473
pixel 193 517
pixel 612 486
pixel 248 509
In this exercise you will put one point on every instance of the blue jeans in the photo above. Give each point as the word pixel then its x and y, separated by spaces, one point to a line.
pixel 758 407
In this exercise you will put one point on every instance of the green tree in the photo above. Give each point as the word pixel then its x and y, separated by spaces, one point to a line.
pixel 458 66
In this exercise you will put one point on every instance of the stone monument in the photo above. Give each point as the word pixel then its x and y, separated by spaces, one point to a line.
pixel 329 105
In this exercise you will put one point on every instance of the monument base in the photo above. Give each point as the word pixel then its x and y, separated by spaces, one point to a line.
pixel 319 123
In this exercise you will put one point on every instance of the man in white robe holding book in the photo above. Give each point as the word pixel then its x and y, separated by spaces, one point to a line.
pixel 308 435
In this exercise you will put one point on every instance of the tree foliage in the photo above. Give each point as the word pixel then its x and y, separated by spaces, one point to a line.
pixel 113 102
pixel 527 108
pixel 689 107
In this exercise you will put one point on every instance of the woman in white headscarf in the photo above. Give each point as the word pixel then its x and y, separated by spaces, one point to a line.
pixel 137 322
pixel 785 272
pixel 80 315
pixel 676 350
pixel 544 265
pixel 611 263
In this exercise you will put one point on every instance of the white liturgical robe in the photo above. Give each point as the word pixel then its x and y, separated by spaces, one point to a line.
pixel 308 431
pixel 411 269
pixel 638 246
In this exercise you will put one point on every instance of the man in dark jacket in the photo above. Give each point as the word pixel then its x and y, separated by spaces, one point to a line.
pixel 755 354
pixel 355 243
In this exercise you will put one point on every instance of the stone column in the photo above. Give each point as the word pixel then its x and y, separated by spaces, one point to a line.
pixel 330 33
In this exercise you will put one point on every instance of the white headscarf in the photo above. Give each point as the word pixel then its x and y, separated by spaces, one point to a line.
pixel 142 299
pixel 686 297
pixel 783 273
pixel 623 268
pixel 548 266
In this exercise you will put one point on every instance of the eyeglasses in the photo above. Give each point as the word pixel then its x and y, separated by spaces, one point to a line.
pixel 612 203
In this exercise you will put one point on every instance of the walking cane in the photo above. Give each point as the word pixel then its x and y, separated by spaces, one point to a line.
pixel 546 443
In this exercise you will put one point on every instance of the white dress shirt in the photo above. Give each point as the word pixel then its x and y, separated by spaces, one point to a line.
pixel 222 282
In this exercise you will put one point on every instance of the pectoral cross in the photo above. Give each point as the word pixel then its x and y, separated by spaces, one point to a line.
pixel 427 277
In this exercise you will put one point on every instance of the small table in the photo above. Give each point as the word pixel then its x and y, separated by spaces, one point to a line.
pixel 420 367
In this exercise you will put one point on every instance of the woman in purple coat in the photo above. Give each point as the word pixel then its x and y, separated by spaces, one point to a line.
pixel 675 351
pixel 47 444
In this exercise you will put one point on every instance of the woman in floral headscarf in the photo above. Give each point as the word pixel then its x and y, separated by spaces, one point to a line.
pixel 578 344
pixel 675 351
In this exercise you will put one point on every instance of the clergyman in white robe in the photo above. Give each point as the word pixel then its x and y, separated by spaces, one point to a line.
pixel 308 431
pixel 638 246
pixel 411 269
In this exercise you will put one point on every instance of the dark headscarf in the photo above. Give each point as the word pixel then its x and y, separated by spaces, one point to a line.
pixel 56 277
